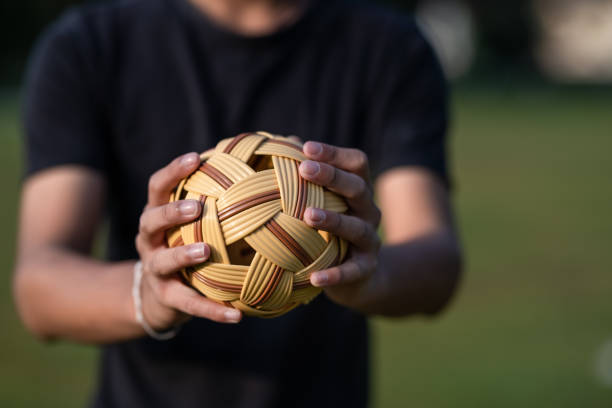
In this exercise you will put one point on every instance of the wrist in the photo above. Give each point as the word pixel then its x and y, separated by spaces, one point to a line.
pixel 128 312
pixel 138 307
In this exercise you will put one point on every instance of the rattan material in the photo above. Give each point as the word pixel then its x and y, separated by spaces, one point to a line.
pixel 253 200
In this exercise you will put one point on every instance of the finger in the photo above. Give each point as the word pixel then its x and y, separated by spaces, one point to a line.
pixel 163 181
pixel 188 301
pixel 295 138
pixel 348 159
pixel 349 185
pixel 170 260
pixel 352 270
pixel 353 229
pixel 155 220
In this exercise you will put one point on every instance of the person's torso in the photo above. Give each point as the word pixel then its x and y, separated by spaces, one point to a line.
pixel 176 86
pixel 173 83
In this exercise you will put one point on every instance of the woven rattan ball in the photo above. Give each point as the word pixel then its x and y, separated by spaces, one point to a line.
pixel 253 201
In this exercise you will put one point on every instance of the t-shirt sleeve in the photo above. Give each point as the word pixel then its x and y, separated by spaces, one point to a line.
pixel 62 111
pixel 408 110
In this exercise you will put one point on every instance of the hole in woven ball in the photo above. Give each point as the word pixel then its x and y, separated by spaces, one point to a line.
pixel 183 194
pixel 259 163
pixel 240 253
pixel 324 234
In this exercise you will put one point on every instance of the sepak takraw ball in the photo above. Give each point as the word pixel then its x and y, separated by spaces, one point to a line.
pixel 253 200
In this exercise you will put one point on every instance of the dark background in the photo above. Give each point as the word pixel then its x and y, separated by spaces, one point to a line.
pixel 531 324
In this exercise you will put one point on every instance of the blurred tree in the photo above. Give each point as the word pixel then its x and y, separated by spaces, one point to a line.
pixel 21 22
pixel 504 33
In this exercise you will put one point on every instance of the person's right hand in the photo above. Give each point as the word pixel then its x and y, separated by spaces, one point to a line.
pixel 166 300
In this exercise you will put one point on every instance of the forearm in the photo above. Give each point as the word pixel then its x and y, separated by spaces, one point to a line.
pixel 415 277
pixel 60 294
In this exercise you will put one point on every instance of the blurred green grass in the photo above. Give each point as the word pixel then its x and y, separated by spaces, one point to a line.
pixel 532 172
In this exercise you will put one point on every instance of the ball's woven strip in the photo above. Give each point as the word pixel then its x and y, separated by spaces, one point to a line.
pixel 253 202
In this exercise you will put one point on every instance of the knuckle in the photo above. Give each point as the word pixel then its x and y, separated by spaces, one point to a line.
pixel 165 212
pixel 360 189
pixel 190 305
pixel 179 256
pixel 330 174
pixel 367 265
pixel 155 183
pixel 353 271
pixel 216 312
pixel 169 213
pixel 143 225
pixel 337 275
pixel 361 160
pixel 332 152
pixel 364 231
pixel 219 314
pixel 148 265
pixel 334 221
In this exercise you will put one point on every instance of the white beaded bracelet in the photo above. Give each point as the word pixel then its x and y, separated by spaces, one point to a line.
pixel 167 335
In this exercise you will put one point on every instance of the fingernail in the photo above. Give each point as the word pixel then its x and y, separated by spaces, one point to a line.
pixel 197 251
pixel 315 215
pixel 232 315
pixel 188 207
pixel 319 279
pixel 310 168
pixel 189 159
pixel 313 148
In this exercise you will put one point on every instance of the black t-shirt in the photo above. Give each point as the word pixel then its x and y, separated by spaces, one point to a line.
pixel 124 87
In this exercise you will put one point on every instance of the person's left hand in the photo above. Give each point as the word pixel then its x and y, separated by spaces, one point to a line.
pixel 346 172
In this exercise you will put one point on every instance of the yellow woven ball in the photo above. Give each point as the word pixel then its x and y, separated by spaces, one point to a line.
pixel 253 201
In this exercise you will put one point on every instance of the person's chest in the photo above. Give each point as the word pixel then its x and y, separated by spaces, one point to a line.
pixel 174 96
pixel 168 97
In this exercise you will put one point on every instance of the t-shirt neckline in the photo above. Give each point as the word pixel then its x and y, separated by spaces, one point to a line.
pixel 220 34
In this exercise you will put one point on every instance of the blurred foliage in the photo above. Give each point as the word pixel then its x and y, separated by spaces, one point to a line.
pixel 20 23
pixel 504 33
